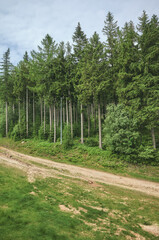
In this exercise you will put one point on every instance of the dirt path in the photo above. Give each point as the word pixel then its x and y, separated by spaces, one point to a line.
pixel 35 167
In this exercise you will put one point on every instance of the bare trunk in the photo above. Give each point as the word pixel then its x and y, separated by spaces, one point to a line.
pixel 74 112
pixel 66 111
pixel 82 141
pixel 24 107
pixel 50 117
pixel 52 114
pixel 70 105
pixel 41 110
pixel 92 110
pixel 33 109
pixel 54 123
pixel 6 119
pixel 44 118
pixel 153 138
pixel 100 127
pixel 94 118
pixel 89 125
pixel 61 122
pixel 27 115
pixel 64 114
pixel 57 114
pixel 19 112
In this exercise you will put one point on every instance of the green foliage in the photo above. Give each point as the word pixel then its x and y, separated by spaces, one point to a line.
pixel 120 130
pixel 43 135
pixel 67 139
pixel 91 142
pixel 19 132
pixel 76 130
pixel 2 127
pixel 146 153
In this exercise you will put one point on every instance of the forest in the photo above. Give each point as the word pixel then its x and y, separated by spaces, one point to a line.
pixel 104 94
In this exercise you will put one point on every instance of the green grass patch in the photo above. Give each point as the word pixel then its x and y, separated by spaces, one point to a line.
pixel 71 209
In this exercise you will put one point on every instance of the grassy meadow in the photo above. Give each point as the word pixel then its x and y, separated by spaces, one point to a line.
pixel 63 208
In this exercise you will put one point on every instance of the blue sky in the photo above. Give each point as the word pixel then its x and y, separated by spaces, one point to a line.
pixel 24 23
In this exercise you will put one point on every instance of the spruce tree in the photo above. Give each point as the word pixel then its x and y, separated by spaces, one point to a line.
pixel 79 42
pixel 6 83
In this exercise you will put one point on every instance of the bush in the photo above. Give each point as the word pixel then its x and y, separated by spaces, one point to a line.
pixel 120 130
pixel 91 142
pixel 41 134
pixel 2 127
pixel 18 132
pixel 67 139
pixel 146 153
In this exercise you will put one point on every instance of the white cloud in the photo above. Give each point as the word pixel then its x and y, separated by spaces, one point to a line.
pixel 25 23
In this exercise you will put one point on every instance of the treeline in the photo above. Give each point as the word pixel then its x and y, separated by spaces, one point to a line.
pixel 89 89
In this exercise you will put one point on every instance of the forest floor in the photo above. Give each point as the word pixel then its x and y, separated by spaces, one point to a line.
pixel 44 199
pixel 35 167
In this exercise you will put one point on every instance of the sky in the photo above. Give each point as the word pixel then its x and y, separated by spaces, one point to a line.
pixel 24 23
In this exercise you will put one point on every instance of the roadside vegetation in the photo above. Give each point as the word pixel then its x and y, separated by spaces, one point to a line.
pixel 85 156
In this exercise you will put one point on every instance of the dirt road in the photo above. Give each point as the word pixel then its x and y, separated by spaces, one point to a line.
pixel 38 167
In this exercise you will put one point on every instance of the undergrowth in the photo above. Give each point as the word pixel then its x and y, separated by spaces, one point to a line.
pixel 83 155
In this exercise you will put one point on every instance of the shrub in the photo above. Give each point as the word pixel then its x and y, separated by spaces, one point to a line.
pixel 41 134
pixel 67 139
pixel 120 130
pixel 91 142
pixel 19 132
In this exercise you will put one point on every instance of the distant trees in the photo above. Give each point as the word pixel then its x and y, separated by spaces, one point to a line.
pixel 115 82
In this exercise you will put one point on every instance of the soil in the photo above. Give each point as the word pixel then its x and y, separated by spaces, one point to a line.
pixel 38 167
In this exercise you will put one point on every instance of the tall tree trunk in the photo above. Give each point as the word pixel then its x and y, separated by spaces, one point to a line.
pixel 153 138
pixel 50 118
pixel 94 118
pixel 33 109
pixel 92 110
pixel 61 122
pixel 6 119
pixel 100 127
pixel 24 107
pixel 82 141
pixel 27 114
pixel 63 114
pixel 52 114
pixel 57 116
pixel 77 113
pixel 54 123
pixel 89 125
pixel 74 112
pixel 44 117
pixel 19 112
pixel 41 111
pixel 71 122
pixel 67 111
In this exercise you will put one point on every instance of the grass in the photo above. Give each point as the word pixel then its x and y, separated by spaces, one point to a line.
pixel 67 209
pixel 81 155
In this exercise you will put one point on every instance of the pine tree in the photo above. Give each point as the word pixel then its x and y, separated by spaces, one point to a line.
pixel 6 82
pixel 79 42
pixel 149 71
pixel 91 69
pixel 44 65
pixel 111 30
